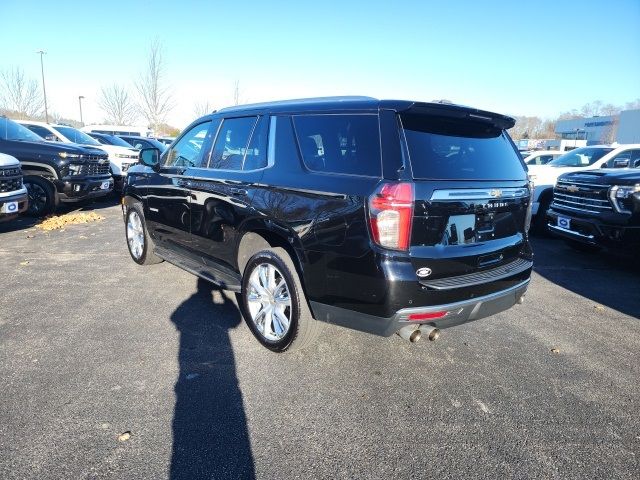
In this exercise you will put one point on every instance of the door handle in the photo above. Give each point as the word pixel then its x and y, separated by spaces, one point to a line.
pixel 238 191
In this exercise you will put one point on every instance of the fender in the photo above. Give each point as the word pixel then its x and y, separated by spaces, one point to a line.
pixel 40 170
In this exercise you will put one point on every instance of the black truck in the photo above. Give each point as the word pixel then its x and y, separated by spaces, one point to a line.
pixel 55 172
pixel 598 208
pixel 379 215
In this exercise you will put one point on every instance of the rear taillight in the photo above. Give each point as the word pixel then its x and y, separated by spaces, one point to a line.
pixel 391 215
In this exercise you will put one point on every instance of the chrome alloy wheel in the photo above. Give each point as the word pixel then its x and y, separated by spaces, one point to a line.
pixel 269 302
pixel 135 235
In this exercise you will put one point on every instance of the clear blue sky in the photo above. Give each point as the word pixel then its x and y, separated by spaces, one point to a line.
pixel 523 58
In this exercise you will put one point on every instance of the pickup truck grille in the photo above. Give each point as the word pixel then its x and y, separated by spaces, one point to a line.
pixel 583 197
pixel 10 179
pixel 91 169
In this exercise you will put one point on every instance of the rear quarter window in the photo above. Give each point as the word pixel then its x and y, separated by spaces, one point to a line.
pixel 341 144
pixel 452 149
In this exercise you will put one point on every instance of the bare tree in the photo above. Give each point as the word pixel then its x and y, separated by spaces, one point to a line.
pixel 117 105
pixel 202 108
pixel 635 105
pixel 155 99
pixel 20 94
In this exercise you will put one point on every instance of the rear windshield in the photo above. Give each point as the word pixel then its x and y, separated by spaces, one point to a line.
pixel 580 157
pixel 451 149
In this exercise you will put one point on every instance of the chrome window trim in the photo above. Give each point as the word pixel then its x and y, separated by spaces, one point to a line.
pixel 456 195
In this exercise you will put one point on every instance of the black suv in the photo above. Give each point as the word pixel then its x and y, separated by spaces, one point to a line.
pixel 382 216
pixel 55 172
pixel 598 208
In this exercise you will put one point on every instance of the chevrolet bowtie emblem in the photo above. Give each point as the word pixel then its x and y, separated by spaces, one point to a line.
pixel 573 188
pixel 495 193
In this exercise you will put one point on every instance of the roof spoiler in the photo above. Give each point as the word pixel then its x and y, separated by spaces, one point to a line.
pixel 503 122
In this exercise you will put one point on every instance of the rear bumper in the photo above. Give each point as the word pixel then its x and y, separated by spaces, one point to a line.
pixel 457 312
pixel 592 231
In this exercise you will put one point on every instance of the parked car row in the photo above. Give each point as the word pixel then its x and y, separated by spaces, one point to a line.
pixel 55 172
pixel 583 159
pixel 598 208
pixel 61 164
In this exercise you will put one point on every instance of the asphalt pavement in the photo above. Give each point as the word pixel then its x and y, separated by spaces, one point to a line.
pixel 112 370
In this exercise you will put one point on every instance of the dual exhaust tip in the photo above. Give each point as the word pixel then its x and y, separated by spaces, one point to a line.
pixel 413 333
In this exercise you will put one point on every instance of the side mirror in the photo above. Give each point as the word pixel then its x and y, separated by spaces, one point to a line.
pixel 151 158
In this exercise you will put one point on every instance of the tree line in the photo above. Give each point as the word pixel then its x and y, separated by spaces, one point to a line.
pixel 151 100
pixel 537 127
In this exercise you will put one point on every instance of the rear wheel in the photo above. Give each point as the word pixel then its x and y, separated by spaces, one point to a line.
pixel 42 196
pixel 273 302
pixel 138 241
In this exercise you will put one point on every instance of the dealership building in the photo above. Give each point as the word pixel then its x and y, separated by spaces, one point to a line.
pixel 623 128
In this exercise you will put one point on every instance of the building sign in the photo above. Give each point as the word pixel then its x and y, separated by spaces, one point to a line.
pixel 601 123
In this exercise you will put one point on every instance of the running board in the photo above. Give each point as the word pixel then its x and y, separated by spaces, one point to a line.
pixel 208 273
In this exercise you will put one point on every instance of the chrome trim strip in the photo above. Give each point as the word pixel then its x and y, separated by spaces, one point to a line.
pixel 604 207
pixel 595 186
pixel 479 194
pixel 586 199
pixel 570 232
pixel 558 205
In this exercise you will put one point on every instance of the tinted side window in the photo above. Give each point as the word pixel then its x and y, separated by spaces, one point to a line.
pixel 231 143
pixel 38 130
pixel 256 156
pixel 346 144
pixel 186 152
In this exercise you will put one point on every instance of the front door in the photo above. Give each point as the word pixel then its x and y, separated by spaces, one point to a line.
pixel 221 192
pixel 167 209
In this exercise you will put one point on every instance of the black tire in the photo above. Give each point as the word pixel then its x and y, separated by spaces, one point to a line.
pixel 303 329
pixel 583 247
pixel 42 196
pixel 143 255
pixel 540 221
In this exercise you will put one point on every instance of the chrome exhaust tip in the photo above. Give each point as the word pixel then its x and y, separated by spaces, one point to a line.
pixel 411 333
pixel 432 333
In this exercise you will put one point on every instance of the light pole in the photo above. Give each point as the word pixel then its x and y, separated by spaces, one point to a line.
pixel 80 97
pixel 44 90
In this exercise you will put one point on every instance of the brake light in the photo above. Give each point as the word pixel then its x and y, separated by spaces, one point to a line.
pixel 391 215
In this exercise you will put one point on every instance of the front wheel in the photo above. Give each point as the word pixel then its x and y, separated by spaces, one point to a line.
pixel 274 304
pixel 138 241
pixel 42 196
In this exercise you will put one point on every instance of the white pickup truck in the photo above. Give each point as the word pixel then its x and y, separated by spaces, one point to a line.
pixel 13 194
pixel 544 177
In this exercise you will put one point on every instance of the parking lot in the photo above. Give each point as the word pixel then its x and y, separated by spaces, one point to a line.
pixel 112 370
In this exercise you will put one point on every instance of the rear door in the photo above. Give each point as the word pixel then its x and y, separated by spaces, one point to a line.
pixel 471 194
pixel 167 206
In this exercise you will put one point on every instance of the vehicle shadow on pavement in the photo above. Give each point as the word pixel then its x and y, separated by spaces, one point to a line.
pixel 603 277
pixel 210 436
